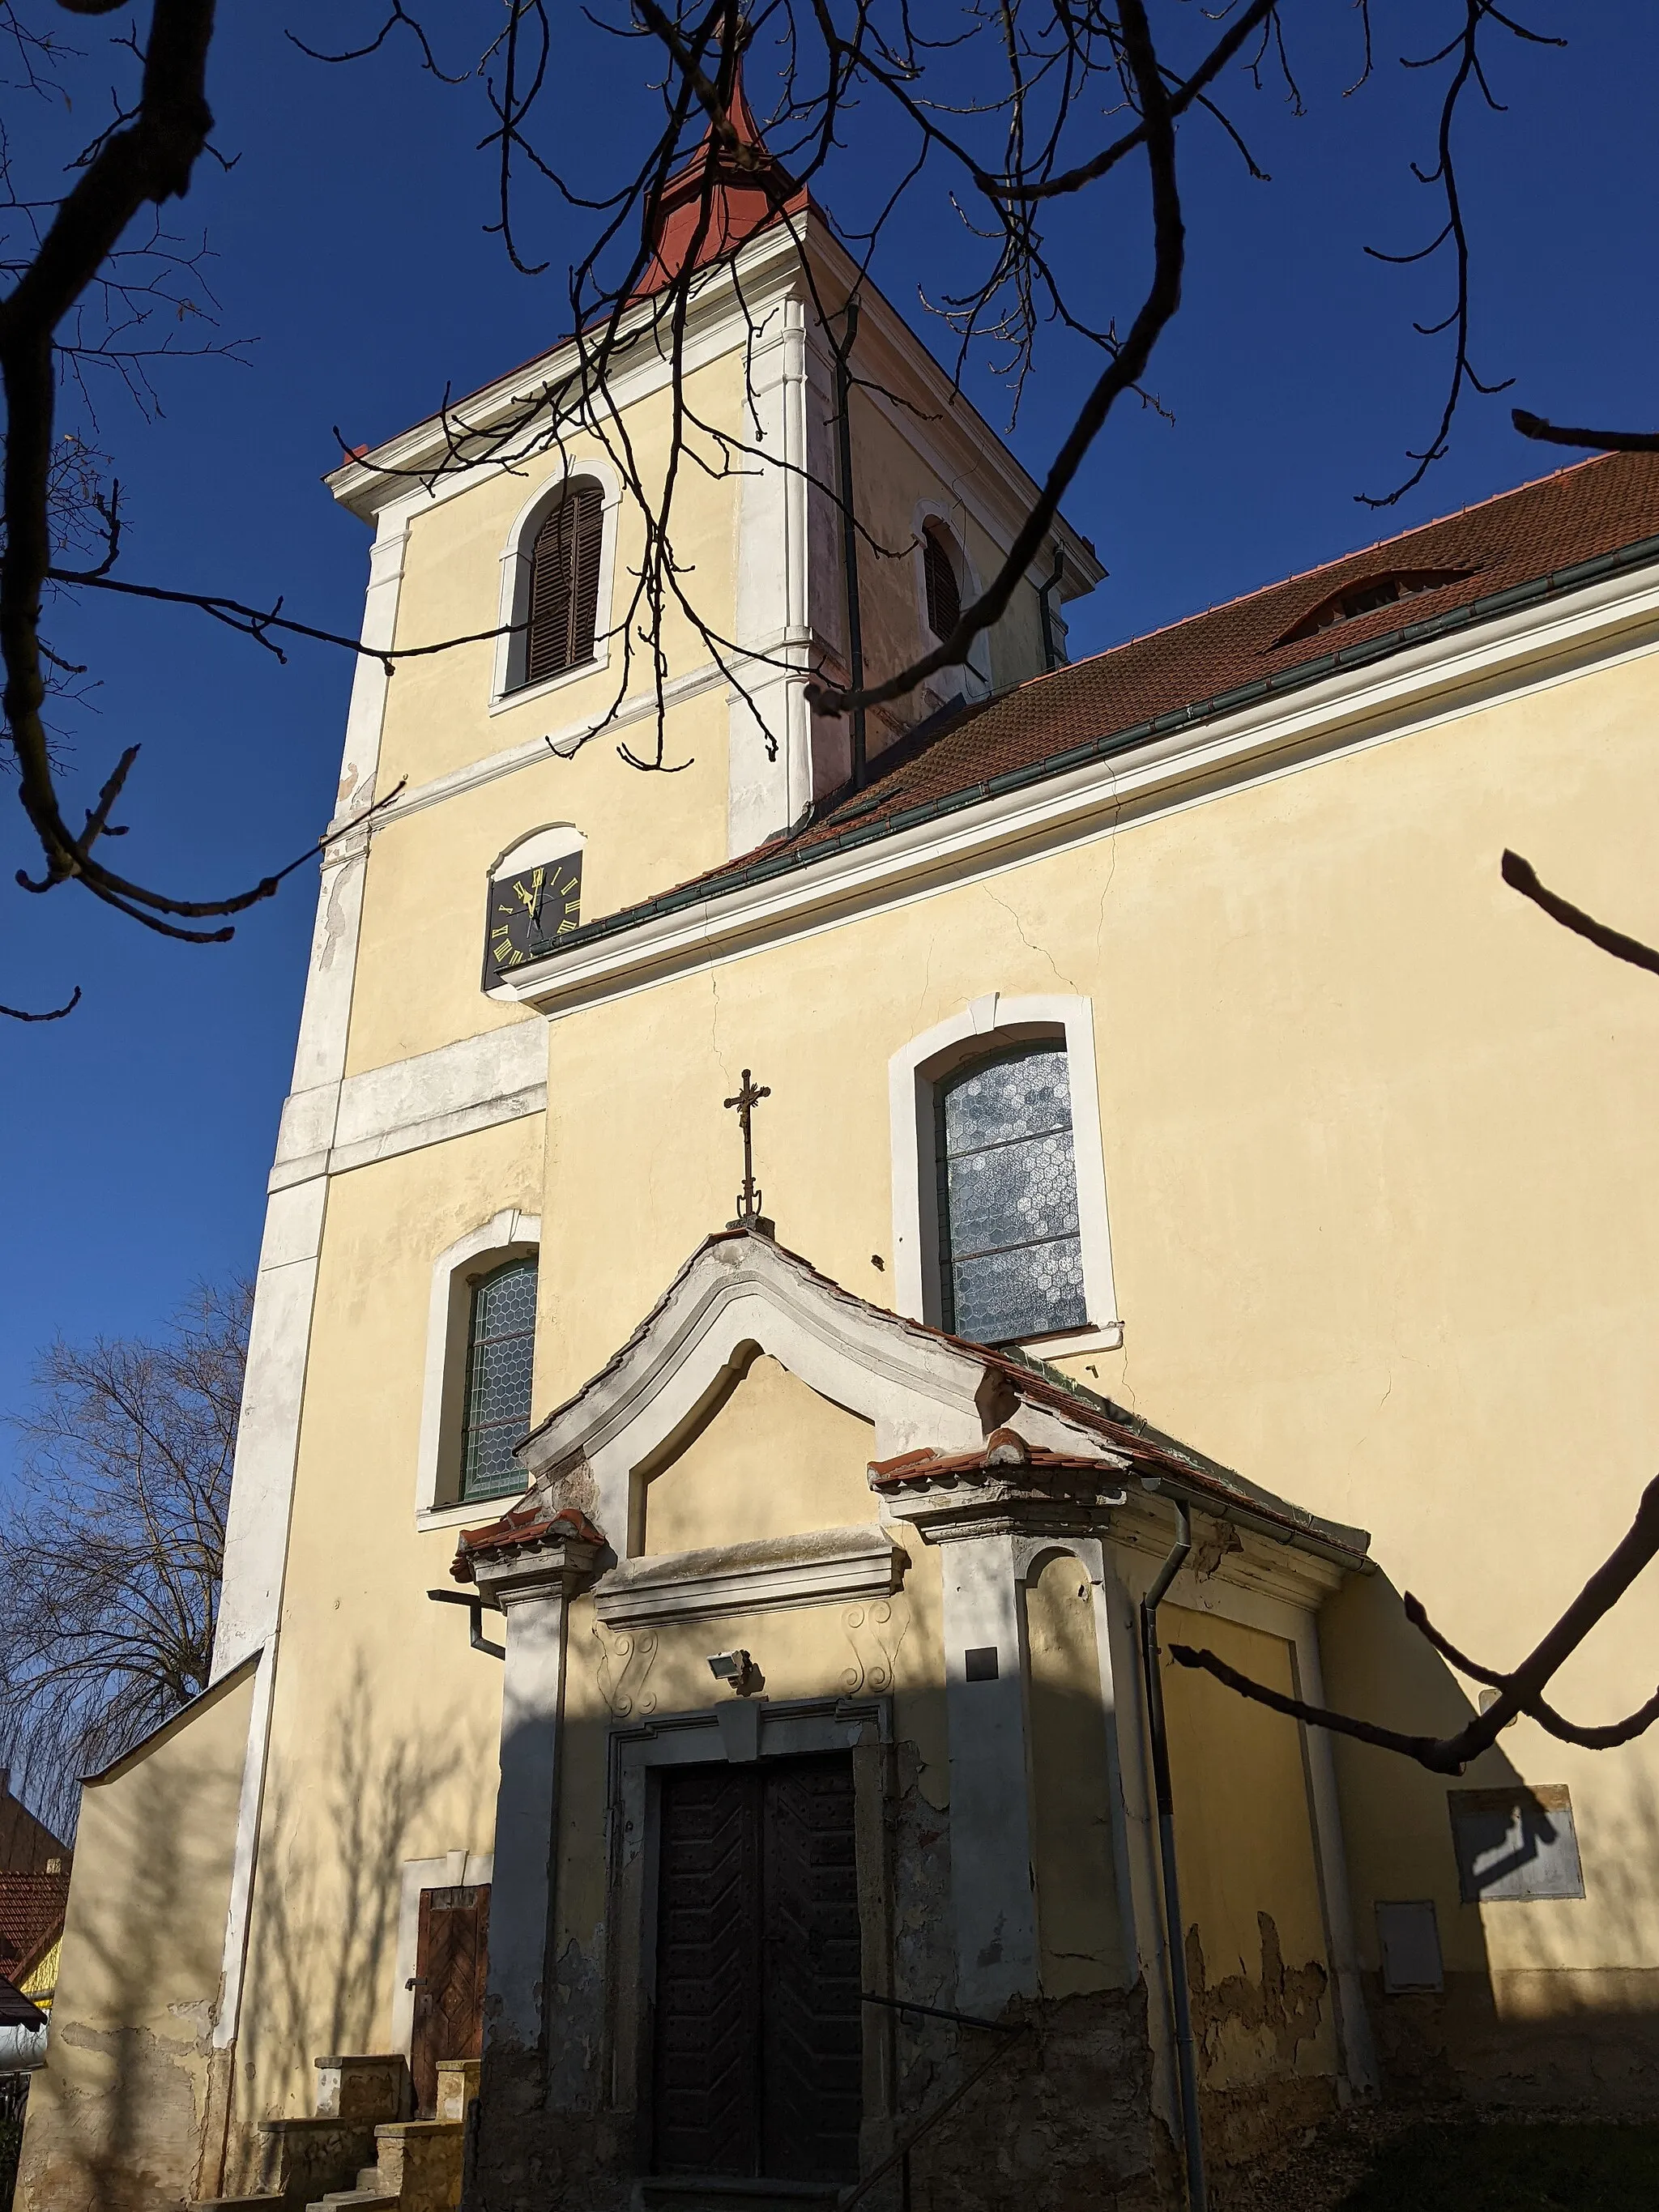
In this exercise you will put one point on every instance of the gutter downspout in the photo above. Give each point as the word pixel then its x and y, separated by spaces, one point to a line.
pixel 1051 656
pixel 849 539
pixel 1180 1995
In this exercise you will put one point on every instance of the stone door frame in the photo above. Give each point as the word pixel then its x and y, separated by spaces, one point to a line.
pixel 739 1731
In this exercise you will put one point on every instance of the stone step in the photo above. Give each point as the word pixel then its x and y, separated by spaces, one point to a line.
pixel 420 2163
pixel 354 2200
pixel 371 2086
pixel 262 2203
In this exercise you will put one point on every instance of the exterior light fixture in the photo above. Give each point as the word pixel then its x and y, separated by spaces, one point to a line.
pixel 737 1669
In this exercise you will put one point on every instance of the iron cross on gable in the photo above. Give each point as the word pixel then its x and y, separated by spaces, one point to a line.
pixel 749 1214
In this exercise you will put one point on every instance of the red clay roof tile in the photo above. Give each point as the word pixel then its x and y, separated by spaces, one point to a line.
pixel 1595 509
pixel 31 1909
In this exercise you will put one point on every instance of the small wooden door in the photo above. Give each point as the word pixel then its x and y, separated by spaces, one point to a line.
pixel 758 2055
pixel 451 1955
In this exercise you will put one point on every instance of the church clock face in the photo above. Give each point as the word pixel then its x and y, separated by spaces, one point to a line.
pixel 529 911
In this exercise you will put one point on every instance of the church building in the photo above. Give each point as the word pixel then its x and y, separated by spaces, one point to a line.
pixel 794 1275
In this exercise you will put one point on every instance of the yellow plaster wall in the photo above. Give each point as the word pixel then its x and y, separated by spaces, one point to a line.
pixel 773 1459
pixel 1079 1930
pixel 1262 2001
pixel 894 1646
pixel 426 883
pixel 116 2119
pixel 437 717
pixel 426 887
pixel 386 1722
pixel 1375 1139
pixel 891 477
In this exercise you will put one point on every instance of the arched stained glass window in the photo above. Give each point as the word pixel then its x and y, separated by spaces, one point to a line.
pixel 1010 1257
pixel 501 1347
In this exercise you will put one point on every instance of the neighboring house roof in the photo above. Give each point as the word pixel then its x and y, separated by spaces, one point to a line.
pixel 31 1909
pixel 40 1982
pixel 26 1845
pixel 1513 550
pixel 1097 1434
pixel 15 2010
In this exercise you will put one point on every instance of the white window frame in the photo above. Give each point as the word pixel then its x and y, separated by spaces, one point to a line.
pixel 508 1235
pixel 973 680
pixel 513 642
pixel 988 1025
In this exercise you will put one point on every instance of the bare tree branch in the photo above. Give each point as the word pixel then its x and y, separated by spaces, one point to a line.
pixel 1469 70
pixel 1520 1691
pixel 53 1014
pixel 111 1554
pixel 1604 441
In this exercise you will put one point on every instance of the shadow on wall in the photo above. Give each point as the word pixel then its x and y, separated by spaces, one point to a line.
pixel 115 2119
pixel 323 1940
pixel 1061 2120
pixel 1475 1882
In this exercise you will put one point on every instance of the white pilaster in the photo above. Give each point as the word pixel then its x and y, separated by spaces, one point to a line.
pixel 770 768
pixel 522 1899
pixel 1353 2024
pixel 267 1443
pixel 534 1594
pixel 991 1899
pixel 1141 1897
pixel 279 1338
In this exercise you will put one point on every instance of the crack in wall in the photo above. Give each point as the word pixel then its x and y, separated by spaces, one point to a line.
pixel 1031 943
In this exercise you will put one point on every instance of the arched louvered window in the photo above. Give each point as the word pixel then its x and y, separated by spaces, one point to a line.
pixel 944 592
pixel 1010 1254
pixel 500 1355
pixel 564 584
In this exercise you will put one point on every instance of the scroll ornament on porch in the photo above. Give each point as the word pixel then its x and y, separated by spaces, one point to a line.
pixel 875 1633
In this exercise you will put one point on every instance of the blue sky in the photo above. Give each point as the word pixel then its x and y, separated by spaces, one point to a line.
pixel 350 245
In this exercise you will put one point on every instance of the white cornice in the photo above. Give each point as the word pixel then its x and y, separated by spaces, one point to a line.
pixel 717 320
pixel 727 311
pixel 757 659
pixel 1436 681
pixel 827 1567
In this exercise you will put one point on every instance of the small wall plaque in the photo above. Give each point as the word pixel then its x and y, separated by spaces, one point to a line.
pixel 1514 1844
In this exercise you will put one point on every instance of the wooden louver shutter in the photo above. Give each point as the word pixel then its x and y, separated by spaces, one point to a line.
pixel 944 594
pixel 564 585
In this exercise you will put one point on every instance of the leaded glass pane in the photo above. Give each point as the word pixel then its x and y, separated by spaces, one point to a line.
pixel 1016 1190
pixel 1001 1101
pixel 1001 1296
pixel 500 1357
pixel 1012 1259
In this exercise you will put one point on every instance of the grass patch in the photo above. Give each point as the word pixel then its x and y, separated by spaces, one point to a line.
pixel 1512 2168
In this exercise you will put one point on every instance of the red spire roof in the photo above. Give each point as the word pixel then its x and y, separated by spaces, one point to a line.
pixel 741 191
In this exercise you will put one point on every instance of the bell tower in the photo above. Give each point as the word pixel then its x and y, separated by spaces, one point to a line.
pixel 844 411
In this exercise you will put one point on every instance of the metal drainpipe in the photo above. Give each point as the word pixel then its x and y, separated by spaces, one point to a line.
pixel 849 538
pixel 1051 656
pixel 1180 1995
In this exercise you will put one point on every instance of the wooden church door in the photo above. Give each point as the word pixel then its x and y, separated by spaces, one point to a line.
pixel 758 2046
pixel 451 1955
